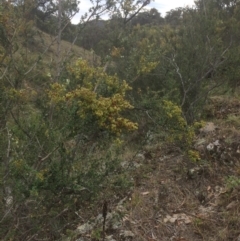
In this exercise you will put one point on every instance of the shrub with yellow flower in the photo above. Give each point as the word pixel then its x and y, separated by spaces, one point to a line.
pixel 97 95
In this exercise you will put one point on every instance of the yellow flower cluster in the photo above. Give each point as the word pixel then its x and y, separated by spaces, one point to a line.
pixel 146 62
pixel 174 114
pixel 98 95
pixel 41 175
pixel 177 125
pixel 57 93
pixel 21 95
pixel 198 124
pixel 116 52
pixel 169 39
pixel 19 164
pixel 146 66
pixel 194 155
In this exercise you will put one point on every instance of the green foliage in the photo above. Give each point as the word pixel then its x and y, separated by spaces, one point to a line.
pixel 178 130
pixel 169 120
pixel 96 234
pixel 193 155
pixel 53 140
pixel 54 135
pixel 232 182
pixel 179 62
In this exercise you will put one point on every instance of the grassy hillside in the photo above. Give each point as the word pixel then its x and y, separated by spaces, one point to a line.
pixel 41 48
pixel 45 41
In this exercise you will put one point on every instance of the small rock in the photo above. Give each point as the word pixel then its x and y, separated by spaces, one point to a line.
pixel 125 164
pixel 210 147
pixel 140 157
pixel 84 228
pixel 127 234
pixel 238 238
pixel 200 142
pixel 206 211
pixel 216 143
pixel 231 205
pixel 115 222
pixel 194 172
pixel 110 238
pixel 136 165
pixel 208 128
pixel 132 165
pixel 181 217
pixel 112 220
pixel 99 219
pixel 200 148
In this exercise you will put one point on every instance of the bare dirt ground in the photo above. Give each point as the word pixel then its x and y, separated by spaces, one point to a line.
pixel 184 200
pixel 177 199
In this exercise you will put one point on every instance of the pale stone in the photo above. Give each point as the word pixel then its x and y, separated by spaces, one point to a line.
pixel 209 127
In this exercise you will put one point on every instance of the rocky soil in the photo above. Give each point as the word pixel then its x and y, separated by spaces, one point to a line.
pixel 174 198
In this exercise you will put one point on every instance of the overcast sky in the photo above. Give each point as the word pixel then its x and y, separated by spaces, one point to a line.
pixel 162 6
